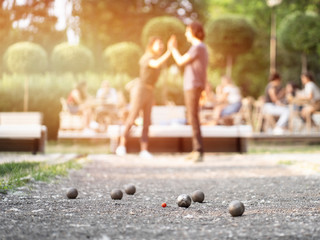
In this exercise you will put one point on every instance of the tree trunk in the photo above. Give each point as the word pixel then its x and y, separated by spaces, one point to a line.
pixel 304 63
pixel 229 66
pixel 26 95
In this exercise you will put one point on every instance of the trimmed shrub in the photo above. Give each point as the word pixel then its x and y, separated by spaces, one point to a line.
pixel 164 27
pixel 71 58
pixel 169 88
pixel 26 57
pixel 300 32
pixel 230 35
pixel 122 58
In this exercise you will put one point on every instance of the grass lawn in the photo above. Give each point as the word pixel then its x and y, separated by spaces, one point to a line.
pixel 17 174
pixel 80 147
pixel 267 148
pixel 102 147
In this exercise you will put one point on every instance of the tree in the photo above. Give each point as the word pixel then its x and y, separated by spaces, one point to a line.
pixel 230 36
pixel 26 58
pixel 30 20
pixel 71 58
pixel 122 57
pixel 300 32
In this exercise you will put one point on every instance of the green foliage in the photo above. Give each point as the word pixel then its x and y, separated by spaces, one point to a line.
pixel 122 58
pixel 118 81
pixel 26 57
pixel 164 27
pixel 41 27
pixel 300 32
pixel 45 91
pixel 169 88
pixel 71 58
pixel 230 35
pixel 13 175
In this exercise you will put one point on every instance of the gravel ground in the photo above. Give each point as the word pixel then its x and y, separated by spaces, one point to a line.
pixel 281 201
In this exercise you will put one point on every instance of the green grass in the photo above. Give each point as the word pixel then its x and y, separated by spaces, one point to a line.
pixel 263 148
pixel 102 147
pixel 79 147
pixel 14 175
pixel 286 162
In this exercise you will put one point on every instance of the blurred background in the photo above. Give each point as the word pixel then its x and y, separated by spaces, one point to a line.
pixel 48 46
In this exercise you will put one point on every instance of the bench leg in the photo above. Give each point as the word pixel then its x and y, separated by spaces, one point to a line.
pixel 242 145
pixel 43 140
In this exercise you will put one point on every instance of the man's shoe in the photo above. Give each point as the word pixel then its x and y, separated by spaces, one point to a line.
pixel 195 157
pixel 190 155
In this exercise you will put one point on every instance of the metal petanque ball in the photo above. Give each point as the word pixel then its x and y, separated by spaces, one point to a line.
pixel 72 193
pixel 197 196
pixel 236 208
pixel 184 200
pixel 130 189
pixel 116 194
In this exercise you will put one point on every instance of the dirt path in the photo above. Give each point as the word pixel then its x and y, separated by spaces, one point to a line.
pixel 282 201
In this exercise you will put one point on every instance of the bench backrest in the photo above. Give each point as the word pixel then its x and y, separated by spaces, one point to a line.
pixel 164 115
pixel 17 118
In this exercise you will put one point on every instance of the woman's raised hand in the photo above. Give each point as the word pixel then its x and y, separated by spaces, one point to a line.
pixel 172 42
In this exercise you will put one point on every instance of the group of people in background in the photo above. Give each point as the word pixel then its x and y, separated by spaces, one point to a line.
pixel 224 101
pixel 277 99
pixel 80 102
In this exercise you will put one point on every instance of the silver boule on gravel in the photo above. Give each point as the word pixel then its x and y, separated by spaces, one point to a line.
pixel 197 196
pixel 184 200
pixel 116 194
pixel 236 208
pixel 72 193
pixel 130 189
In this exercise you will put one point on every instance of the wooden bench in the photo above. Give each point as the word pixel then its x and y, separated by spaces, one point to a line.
pixel 177 138
pixel 22 131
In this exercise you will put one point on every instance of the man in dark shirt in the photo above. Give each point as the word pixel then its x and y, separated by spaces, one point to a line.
pixel 195 62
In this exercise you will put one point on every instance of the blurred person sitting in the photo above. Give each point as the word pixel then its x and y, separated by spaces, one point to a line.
pixel 107 93
pixel 274 94
pixel 77 102
pixel 311 94
pixel 106 109
pixel 207 98
pixel 291 91
pixel 228 101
